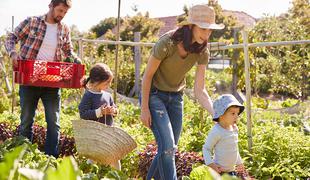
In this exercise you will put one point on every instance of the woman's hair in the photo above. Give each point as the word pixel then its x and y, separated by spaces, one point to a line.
pixel 184 34
pixel 100 72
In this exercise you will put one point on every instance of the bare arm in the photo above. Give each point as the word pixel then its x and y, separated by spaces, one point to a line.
pixel 200 91
pixel 150 70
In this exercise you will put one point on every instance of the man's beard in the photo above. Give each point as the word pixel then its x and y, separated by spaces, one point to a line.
pixel 57 20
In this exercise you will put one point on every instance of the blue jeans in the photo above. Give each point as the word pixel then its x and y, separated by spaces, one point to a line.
pixel 29 98
pixel 166 110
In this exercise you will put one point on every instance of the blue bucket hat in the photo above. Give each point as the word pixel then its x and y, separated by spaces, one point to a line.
pixel 222 103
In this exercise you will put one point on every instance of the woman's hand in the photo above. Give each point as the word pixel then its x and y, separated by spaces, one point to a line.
pixel 216 168
pixel 146 117
pixel 150 70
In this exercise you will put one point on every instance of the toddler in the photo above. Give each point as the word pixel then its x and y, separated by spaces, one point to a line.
pixel 220 150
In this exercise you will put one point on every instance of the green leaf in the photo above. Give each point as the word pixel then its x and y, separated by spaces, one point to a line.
pixel 117 175
pixel 32 174
pixel 67 170
pixel 9 166
pixel 204 173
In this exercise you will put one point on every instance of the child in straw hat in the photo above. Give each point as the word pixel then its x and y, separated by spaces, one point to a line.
pixel 97 104
pixel 223 137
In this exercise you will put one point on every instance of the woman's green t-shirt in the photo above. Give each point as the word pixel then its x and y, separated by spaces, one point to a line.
pixel 170 75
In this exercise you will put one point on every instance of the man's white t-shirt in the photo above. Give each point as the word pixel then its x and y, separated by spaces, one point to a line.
pixel 49 44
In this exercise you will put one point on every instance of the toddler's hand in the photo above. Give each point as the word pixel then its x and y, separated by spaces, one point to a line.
pixel 216 167
pixel 240 167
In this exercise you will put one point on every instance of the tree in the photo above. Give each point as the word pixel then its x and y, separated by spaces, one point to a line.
pixel 140 23
pixel 104 25
pixel 283 69
pixel 228 21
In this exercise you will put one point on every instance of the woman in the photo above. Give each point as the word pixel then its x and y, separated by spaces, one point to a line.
pixel 163 82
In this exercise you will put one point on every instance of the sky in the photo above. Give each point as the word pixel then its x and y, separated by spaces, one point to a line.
pixel 87 13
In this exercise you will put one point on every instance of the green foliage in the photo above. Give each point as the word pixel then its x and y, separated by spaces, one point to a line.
pixel 139 23
pixel 67 169
pixel 25 157
pixel 289 102
pixel 197 127
pixel 206 173
pixel 203 172
pixel 283 69
pixel 8 167
pixel 228 21
pixel 300 10
pixel 104 25
pixel 117 175
pixel 183 17
pixel 280 148
pixel 260 102
pixel 280 152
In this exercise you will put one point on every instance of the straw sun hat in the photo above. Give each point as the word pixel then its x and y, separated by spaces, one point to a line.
pixel 203 16
pixel 101 143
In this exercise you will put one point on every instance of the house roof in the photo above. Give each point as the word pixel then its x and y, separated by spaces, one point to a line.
pixel 169 23
pixel 243 18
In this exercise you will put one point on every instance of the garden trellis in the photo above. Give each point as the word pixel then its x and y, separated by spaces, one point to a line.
pixel 214 46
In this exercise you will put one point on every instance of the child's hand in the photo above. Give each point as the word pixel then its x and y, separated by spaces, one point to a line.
pixel 216 167
pixel 108 110
pixel 114 110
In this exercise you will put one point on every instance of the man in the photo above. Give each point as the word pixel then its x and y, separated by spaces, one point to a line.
pixel 42 38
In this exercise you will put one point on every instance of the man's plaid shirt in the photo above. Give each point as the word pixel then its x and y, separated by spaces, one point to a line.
pixel 31 33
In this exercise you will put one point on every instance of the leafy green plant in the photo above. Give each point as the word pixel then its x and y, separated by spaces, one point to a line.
pixel 279 152
pixel 183 160
pixel 8 167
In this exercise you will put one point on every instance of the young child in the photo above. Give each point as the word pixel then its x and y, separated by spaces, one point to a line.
pixel 97 104
pixel 222 140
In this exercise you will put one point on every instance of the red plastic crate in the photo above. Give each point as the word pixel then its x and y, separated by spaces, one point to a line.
pixel 49 74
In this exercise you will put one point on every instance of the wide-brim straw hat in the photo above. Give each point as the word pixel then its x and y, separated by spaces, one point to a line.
pixel 203 16
pixel 101 143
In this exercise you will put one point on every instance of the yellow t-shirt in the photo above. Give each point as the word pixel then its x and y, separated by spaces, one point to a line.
pixel 170 75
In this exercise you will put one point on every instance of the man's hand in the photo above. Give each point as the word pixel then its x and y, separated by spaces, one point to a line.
pixel 77 61
pixel 14 57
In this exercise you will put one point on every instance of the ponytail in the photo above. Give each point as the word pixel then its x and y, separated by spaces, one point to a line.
pixel 85 81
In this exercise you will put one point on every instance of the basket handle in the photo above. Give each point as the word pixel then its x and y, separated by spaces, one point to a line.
pixel 53 66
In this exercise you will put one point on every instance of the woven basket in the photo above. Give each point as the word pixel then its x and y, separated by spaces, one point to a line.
pixel 101 143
